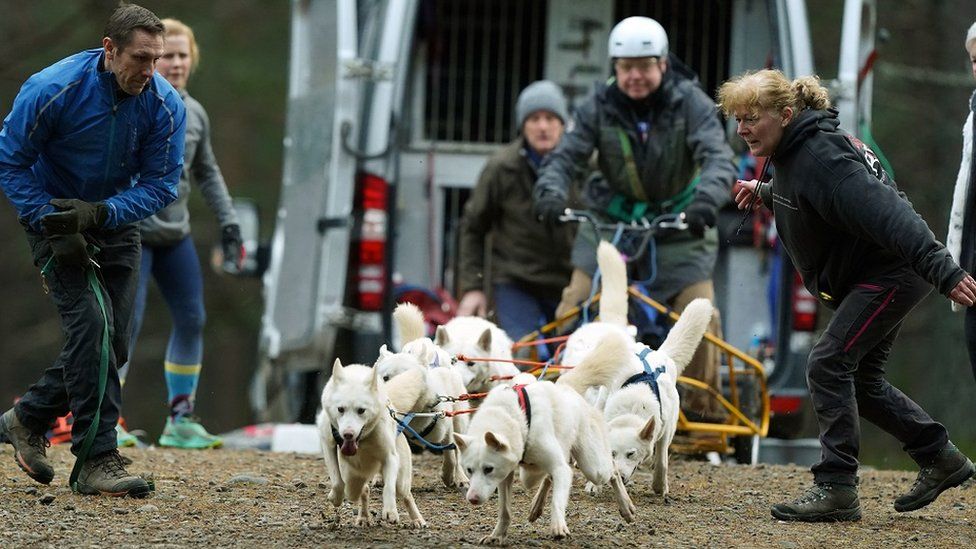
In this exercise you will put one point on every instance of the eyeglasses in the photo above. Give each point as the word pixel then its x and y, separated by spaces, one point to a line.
pixel 641 64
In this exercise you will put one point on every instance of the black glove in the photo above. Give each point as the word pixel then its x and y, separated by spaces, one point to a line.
pixel 699 216
pixel 75 216
pixel 70 250
pixel 548 207
pixel 232 247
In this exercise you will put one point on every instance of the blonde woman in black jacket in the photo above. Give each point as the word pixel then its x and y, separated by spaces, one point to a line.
pixel 866 254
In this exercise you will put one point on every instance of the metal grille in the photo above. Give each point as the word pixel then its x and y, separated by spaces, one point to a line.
pixel 698 32
pixel 481 53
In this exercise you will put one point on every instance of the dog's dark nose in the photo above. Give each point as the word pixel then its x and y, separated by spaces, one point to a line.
pixel 475 500
pixel 347 436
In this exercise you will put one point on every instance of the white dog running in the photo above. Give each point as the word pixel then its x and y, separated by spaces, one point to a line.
pixel 358 439
pixel 540 428
pixel 641 409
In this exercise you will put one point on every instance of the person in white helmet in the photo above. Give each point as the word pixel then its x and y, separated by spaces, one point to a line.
pixel 662 149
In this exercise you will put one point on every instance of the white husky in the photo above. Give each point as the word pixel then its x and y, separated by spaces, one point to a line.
pixel 477 338
pixel 641 407
pixel 540 428
pixel 359 439
pixel 438 381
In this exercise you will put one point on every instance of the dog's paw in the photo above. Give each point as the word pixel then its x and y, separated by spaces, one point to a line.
pixel 559 530
pixel 418 523
pixel 627 510
pixel 390 515
pixel 362 521
pixel 492 539
pixel 335 495
pixel 592 489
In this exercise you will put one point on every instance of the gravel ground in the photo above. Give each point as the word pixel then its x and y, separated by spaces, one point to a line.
pixel 245 498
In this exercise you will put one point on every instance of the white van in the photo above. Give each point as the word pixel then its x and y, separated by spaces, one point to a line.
pixel 394 107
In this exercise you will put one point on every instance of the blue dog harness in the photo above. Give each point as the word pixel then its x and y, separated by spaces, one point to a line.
pixel 648 376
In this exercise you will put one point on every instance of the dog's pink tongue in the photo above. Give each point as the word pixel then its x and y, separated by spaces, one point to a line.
pixel 349 447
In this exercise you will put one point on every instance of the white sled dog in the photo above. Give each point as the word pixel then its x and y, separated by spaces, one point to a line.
pixel 540 428
pixel 641 407
pixel 476 338
pixel 359 439
pixel 438 380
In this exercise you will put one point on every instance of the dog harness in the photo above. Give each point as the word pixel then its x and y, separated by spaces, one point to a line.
pixel 648 376
pixel 416 440
pixel 524 404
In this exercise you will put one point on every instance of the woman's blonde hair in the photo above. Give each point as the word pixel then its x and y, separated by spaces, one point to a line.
pixel 175 27
pixel 770 90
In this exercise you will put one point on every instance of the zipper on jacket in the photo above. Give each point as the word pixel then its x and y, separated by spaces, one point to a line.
pixel 111 140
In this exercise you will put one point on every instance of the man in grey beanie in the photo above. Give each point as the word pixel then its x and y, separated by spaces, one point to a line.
pixel 529 260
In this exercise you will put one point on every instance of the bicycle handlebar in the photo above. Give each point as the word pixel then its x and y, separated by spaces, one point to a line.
pixel 662 222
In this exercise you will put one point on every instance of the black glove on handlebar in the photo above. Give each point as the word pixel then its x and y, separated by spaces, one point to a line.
pixel 548 207
pixel 74 216
pixel 700 215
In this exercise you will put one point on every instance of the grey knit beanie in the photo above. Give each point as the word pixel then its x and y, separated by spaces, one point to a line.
pixel 971 35
pixel 541 96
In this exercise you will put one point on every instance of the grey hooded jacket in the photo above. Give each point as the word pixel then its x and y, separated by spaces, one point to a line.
pixel 172 224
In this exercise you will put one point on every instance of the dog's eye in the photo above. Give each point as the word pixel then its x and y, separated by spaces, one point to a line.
pixel 361 411
pixel 630 454
pixel 469 363
pixel 613 454
pixel 386 378
pixel 341 410
pixel 470 471
pixel 488 470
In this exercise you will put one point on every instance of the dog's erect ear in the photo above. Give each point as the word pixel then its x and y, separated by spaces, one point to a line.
pixel 495 442
pixel 374 379
pixel 440 337
pixel 461 441
pixel 384 352
pixel 647 431
pixel 337 368
pixel 484 342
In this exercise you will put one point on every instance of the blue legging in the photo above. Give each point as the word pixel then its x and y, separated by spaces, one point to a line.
pixel 177 272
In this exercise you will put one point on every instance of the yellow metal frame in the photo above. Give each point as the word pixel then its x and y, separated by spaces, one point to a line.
pixel 737 424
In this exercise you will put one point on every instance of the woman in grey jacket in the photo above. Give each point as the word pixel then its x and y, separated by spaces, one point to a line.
pixel 168 254
pixel 962 221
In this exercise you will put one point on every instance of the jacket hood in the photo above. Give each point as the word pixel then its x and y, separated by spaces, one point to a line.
pixel 807 123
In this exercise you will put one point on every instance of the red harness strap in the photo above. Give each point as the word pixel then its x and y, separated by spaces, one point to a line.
pixel 524 404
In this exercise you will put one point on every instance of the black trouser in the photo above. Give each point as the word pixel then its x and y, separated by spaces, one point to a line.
pixel 71 384
pixel 970 324
pixel 845 375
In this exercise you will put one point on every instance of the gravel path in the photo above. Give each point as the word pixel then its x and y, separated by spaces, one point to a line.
pixel 244 498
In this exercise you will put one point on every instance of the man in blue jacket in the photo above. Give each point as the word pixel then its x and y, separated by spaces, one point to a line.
pixel 92 144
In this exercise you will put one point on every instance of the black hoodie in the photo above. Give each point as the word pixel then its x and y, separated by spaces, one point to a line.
pixel 842 219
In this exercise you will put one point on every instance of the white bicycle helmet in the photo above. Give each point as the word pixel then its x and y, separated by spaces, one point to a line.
pixel 638 37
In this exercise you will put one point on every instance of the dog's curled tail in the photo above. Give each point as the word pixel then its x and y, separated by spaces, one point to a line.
pixel 603 366
pixel 686 334
pixel 406 389
pixel 613 292
pixel 410 322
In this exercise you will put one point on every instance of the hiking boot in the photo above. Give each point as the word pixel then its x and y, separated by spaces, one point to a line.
pixel 105 475
pixel 186 432
pixel 29 448
pixel 823 502
pixel 949 468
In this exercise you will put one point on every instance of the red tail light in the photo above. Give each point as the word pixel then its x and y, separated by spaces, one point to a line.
pixel 804 307
pixel 369 246
pixel 784 404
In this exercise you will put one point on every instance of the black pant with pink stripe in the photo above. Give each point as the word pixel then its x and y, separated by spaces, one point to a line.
pixel 845 375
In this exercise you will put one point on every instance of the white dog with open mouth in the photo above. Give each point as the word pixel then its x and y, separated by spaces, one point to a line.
pixel 476 337
pixel 540 428
pixel 641 406
pixel 359 439
pixel 440 380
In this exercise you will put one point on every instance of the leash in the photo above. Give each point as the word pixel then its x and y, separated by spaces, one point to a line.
pixel 755 198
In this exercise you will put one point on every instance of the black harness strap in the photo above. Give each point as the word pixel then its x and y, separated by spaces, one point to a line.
pixel 648 376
